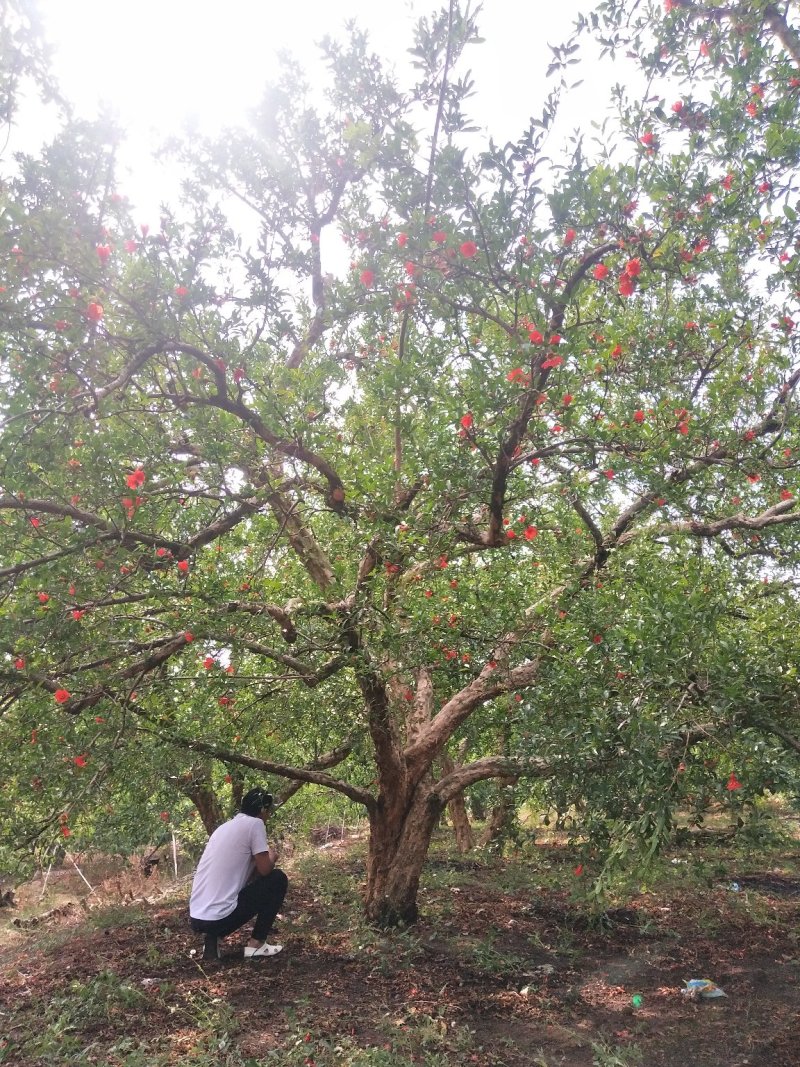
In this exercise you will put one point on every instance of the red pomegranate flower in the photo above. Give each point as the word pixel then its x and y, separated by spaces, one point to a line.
pixel 626 285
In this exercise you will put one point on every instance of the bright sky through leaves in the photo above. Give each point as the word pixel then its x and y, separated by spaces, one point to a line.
pixel 161 65
pixel 161 68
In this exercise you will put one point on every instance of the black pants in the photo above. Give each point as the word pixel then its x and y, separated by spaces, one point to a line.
pixel 262 897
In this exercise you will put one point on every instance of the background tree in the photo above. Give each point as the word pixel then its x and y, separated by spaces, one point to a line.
pixel 506 489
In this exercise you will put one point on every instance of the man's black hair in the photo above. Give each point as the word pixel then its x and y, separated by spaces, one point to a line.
pixel 255 801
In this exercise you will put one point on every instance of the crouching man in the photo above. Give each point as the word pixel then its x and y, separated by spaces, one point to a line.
pixel 237 879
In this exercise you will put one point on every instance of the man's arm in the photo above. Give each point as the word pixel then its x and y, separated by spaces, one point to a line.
pixel 265 861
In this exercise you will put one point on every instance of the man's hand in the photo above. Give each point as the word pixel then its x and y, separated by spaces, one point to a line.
pixel 265 861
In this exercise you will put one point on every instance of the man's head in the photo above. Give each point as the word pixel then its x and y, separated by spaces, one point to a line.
pixel 257 802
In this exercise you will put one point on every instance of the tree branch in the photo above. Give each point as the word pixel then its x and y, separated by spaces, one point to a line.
pixel 516 431
pixel 588 521
pixel 302 540
pixel 786 34
pixel 160 654
pixel 422 706
pixel 489 767
pixel 280 615
pixel 317 327
pixel 788 739
pixel 321 763
pixel 307 676
pixel 490 683
pixel 298 774
pixel 774 516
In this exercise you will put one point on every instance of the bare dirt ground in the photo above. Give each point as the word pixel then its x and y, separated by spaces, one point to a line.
pixel 505 968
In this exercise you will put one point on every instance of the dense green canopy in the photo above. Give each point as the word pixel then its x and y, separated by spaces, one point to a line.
pixel 518 485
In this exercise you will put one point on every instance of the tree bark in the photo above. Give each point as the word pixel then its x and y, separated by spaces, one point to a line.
pixel 457 813
pixel 196 785
pixel 399 839
pixel 209 808
pixel 502 812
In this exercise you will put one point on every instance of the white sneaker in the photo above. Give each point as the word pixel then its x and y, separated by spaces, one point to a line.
pixel 262 950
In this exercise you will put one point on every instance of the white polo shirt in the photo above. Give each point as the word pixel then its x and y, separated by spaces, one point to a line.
pixel 226 866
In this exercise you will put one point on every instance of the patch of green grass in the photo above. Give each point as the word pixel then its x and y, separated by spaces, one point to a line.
pixel 758 909
pixel 67 1022
pixel 607 1055
pixel 515 876
pixel 208 1013
pixel 112 916
pixel 216 1049
pixel 393 950
pixel 443 875
pixel 428 1040
pixel 335 886
pixel 70 1024
pixel 484 956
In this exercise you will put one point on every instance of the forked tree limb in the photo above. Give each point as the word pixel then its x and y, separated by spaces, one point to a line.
pixel 490 683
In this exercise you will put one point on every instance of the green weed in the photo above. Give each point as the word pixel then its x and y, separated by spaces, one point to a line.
pixel 423 1039
pixel 85 1006
pixel 605 1055
pixel 483 956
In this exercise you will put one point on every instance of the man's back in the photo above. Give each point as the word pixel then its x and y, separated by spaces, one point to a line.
pixel 226 866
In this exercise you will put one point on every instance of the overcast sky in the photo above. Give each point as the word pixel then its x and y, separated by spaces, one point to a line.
pixel 162 63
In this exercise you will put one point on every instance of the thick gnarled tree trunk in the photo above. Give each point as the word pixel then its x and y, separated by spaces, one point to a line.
pixel 410 801
pixel 400 835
